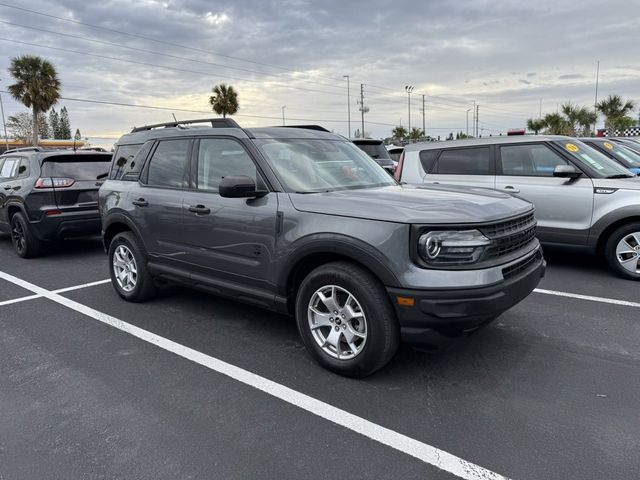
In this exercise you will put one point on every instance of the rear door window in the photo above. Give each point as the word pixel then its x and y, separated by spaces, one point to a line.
pixel 167 166
pixel 464 161
pixel 529 160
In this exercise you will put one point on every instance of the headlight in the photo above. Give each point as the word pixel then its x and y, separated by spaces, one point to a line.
pixel 452 246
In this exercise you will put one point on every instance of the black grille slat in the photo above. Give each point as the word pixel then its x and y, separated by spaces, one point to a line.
pixel 520 266
pixel 509 236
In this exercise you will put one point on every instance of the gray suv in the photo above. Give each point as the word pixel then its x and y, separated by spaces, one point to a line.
pixel 583 199
pixel 300 221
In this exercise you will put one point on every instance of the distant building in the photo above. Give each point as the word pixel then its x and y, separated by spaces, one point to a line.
pixel 47 143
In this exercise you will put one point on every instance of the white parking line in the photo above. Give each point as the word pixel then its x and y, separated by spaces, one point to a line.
pixel 422 451
pixel 587 297
pixel 62 290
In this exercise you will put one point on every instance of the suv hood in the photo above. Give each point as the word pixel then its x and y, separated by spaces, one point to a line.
pixel 415 204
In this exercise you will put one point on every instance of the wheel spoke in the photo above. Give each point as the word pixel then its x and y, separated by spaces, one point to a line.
pixel 320 319
pixel 333 340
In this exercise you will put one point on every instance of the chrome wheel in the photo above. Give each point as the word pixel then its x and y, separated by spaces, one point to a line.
pixel 628 252
pixel 337 322
pixel 125 268
pixel 17 233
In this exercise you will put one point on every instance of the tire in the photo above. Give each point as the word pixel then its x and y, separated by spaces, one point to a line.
pixel 128 269
pixel 370 323
pixel 24 242
pixel 622 251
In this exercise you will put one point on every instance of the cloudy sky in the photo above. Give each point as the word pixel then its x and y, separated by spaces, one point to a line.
pixel 506 56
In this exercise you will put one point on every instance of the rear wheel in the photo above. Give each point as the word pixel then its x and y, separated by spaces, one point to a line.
pixel 24 242
pixel 128 269
pixel 622 251
pixel 346 320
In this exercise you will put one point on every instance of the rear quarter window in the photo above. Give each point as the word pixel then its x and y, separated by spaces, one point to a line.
pixel 125 163
pixel 427 158
pixel 464 161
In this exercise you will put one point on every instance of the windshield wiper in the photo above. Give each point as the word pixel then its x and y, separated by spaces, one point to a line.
pixel 619 175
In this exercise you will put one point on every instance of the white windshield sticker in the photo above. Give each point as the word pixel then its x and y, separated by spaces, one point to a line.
pixel 591 161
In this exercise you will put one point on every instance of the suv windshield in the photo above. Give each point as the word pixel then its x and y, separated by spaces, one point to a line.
pixel 597 162
pixel 310 166
pixel 624 155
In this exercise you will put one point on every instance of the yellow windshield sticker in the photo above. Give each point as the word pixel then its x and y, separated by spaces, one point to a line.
pixel 608 146
pixel 571 147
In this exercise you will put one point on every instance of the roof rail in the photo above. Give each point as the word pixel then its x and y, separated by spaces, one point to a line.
pixel 23 149
pixel 215 123
pixel 308 127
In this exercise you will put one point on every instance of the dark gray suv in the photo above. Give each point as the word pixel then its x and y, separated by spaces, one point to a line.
pixel 301 221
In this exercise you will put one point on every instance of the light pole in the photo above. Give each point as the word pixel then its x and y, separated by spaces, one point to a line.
pixel 283 107
pixel 348 106
pixel 409 89
pixel 4 124
pixel 595 103
pixel 468 110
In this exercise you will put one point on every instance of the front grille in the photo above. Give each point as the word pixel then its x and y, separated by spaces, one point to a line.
pixel 510 236
pixel 521 266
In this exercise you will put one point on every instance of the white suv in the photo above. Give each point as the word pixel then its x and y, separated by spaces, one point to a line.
pixel 582 198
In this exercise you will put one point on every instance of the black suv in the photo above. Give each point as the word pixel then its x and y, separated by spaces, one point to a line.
pixel 301 221
pixel 376 150
pixel 46 195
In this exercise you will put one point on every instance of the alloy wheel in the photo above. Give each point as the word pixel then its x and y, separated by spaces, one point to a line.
pixel 337 322
pixel 19 239
pixel 628 252
pixel 125 268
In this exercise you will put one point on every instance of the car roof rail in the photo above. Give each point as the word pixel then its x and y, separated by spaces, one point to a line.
pixel 319 128
pixel 23 149
pixel 215 123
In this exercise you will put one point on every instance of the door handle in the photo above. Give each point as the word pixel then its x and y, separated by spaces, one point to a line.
pixel 8 187
pixel 510 189
pixel 141 202
pixel 199 209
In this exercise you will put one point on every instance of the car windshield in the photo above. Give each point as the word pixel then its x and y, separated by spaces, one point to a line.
pixel 311 166
pixel 597 162
pixel 624 155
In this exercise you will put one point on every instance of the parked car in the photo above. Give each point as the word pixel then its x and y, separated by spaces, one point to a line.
pixel 617 152
pixel 628 142
pixel 302 222
pixel 47 195
pixel 583 199
pixel 376 150
pixel 395 152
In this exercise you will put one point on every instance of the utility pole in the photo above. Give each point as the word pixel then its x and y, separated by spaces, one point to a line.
pixel 473 119
pixel 283 107
pixel 4 124
pixel 477 119
pixel 595 103
pixel 540 111
pixel 468 110
pixel 424 113
pixel 348 106
pixel 409 89
pixel 362 106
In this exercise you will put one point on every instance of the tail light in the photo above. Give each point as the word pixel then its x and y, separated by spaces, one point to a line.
pixel 54 182
pixel 398 174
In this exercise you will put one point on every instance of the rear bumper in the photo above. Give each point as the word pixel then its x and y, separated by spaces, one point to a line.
pixel 438 315
pixel 72 224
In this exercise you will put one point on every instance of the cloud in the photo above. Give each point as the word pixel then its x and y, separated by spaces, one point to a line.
pixel 571 76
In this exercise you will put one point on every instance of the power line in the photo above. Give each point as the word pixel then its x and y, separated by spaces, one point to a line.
pixel 177 69
pixel 168 55
pixel 163 42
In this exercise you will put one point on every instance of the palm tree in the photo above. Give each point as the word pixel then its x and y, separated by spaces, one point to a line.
pixel 416 134
pixel 399 132
pixel 616 112
pixel 555 124
pixel 37 86
pixel 536 125
pixel 224 100
pixel 578 119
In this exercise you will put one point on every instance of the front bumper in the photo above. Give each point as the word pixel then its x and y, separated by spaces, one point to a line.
pixel 438 315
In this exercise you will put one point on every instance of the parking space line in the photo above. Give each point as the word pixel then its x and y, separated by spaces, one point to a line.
pixel 62 290
pixel 410 446
pixel 587 297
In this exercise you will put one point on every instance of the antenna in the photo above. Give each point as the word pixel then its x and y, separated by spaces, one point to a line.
pixel 174 116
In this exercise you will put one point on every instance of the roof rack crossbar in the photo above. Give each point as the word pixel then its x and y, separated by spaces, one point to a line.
pixel 23 149
pixel 215 123
pixel 319 128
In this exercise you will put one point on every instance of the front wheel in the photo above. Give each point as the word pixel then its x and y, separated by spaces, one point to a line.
pixel 346 320
pixel 622 251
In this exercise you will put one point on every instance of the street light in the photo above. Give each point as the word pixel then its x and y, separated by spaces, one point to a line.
pixel 4 124
pixel 468 110
pixel 348 106
pixel 283 107
pixel 409 89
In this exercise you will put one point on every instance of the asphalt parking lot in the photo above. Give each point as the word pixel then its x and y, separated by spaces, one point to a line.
pixel 193 386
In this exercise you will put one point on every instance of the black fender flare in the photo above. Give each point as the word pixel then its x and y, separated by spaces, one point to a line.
pixel 123 218
pixel 343 245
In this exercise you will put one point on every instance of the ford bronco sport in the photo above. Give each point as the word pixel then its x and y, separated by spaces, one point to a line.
pixel 299 220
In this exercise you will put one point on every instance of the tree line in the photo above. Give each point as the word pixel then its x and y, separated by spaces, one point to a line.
pixel 57 126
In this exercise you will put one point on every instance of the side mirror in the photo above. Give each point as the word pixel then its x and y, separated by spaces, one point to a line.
pixel 239 187
pixel 566 171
